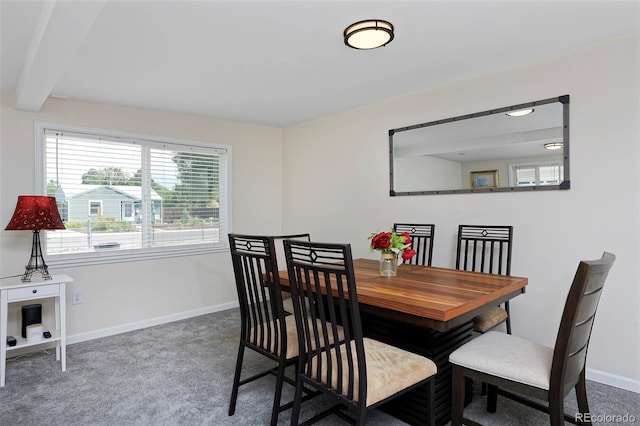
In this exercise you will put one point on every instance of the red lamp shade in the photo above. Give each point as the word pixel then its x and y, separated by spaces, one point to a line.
pixel 35 212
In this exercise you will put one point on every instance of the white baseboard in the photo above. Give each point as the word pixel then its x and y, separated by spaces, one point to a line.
pixel 111 331
pixel 613 380
pixel 595 375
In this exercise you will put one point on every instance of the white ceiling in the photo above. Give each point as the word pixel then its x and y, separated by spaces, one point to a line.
pixel 277 63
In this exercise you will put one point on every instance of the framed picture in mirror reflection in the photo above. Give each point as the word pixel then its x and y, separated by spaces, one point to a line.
pixel 484 179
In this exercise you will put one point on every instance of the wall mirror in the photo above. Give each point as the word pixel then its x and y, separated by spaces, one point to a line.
pixel 522 147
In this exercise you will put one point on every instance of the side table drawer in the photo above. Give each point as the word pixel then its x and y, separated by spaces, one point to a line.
pixel 33 291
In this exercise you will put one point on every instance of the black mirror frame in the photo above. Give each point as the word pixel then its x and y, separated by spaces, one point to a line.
pixel 565 184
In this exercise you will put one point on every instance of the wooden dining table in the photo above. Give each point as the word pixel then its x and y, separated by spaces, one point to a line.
pixel 429 311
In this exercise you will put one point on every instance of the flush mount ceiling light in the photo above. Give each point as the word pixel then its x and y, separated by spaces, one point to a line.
pixel 520 112
pixel 368 34
pixel 554 145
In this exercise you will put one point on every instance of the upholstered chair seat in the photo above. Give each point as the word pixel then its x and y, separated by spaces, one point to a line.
pixel 292 337
pixel 360 373
pixel 287 303
pixel 270 343
pixel 530 373
pixel 507 356
pixel 489 319
pixel 389 369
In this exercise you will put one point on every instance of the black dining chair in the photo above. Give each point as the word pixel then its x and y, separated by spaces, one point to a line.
pixel 286 296
pixel 421 241
pixel 486 248
pixel 264 328
pixel 528 372
pixel 359 372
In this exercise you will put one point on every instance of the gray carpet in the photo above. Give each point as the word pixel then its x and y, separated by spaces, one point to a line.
pixel 181 373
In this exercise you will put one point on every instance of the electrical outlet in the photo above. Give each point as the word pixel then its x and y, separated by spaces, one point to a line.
pixel 76 297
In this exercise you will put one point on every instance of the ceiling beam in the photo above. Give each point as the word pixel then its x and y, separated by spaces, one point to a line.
pixel 61 29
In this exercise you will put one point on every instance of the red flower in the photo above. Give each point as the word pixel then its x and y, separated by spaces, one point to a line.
pixel 407 237
pixel 408 254
pixel 381 241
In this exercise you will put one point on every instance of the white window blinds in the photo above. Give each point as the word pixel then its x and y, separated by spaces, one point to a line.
pixel 125 197
pixel 547 173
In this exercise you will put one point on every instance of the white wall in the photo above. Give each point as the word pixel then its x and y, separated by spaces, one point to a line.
pixel 417 174
pixel 119 296
pixel 336 186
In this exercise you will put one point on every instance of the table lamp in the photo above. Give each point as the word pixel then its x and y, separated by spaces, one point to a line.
pixel 33 213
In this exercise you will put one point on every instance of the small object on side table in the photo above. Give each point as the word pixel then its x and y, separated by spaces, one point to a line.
pixel 11 341
pixel 46 334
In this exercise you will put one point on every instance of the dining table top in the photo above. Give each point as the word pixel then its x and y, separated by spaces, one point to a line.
pixel 438 298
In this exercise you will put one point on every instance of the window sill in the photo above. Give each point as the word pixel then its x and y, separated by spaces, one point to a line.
pixel 120 256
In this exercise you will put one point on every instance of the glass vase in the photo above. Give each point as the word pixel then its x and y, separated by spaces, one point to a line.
pixel 388 265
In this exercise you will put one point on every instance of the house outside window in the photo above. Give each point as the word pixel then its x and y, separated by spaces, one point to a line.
pixel 128 197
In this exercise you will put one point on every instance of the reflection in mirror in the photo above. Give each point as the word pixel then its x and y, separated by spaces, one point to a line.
pixel 505 149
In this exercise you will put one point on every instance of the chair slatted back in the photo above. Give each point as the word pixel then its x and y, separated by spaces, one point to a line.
pixel 579 312
pixel 259 293
pixel 421 241
pixel 279 247
pixel 484 248
pixel 318 270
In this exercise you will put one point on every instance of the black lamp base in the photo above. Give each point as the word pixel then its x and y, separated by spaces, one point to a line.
pixel 36 262
pixel 26 277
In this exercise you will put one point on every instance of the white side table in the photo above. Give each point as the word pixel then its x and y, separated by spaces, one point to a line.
pixel 13 290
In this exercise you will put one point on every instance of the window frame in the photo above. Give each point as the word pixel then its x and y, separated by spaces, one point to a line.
pixel 138 254
pixel 91 204
pixel 124 206
pixel 534 165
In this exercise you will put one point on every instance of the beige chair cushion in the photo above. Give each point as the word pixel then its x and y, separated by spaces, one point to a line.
pixel 507 356
pixel 287 303
pixel 489 319
pixel 389 370
pixel 292 337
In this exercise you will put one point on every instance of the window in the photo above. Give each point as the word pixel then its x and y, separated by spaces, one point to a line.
pixel 127 211
pixel 545 173
pixel 128 197
pixel 95 207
